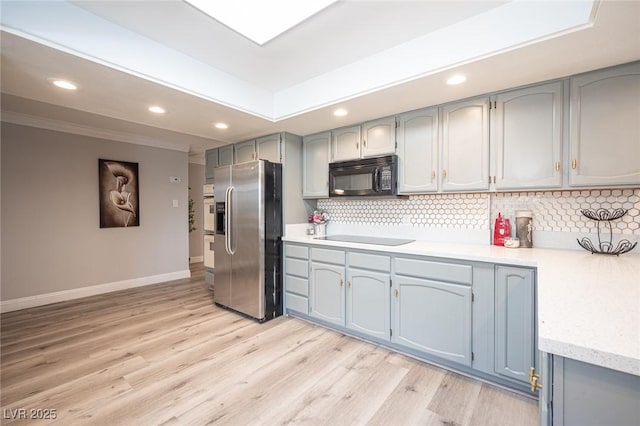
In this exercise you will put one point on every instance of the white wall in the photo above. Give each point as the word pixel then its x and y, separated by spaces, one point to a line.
pixel 52 243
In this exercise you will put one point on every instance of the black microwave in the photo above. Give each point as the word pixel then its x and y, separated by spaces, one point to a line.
pixel 366 177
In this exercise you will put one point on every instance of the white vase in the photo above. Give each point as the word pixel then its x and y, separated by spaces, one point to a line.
pixel 321 229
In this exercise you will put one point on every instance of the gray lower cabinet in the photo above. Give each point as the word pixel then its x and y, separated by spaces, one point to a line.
pixel 327 298
pixel 475 316
pixel 432 317
pixel 296 278
pixel 589 395
pixel 368 302
pixel 514 322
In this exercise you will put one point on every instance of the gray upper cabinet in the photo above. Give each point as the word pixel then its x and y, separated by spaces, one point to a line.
pixel 245 151
pixel 527 137
pixel 605 127
pixel 316 150
pixel 379 137
pixel 465 145
pixel 268 148
pixel 345 144
pixel 417 135
pixel 514 322
pixel 211 162
pixel 225 155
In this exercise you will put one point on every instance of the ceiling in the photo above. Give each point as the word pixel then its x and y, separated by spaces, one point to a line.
pixel 374 58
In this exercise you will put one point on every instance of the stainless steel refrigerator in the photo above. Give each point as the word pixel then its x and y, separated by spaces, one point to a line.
pixel 248 238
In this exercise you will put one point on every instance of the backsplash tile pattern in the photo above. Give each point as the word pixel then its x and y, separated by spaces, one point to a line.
pixel 464 211
pixel 554 211
pixel 559 211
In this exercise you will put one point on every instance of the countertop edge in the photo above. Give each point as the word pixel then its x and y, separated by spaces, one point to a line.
pixel 591 356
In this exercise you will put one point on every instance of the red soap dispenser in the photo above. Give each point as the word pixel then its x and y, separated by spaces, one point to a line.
pixel 501 230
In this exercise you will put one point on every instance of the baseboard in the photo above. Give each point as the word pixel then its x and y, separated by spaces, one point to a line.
pixel 196 259
pixel 77 293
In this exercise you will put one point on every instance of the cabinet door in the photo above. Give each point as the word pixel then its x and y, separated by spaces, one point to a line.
pixel 379 137
pixel 225 155
pixel 514 322
pixel 245 151
pixel 268 148
pixel 433 317
pixel 211 162
pixel 605 127
pixel 345 144
pixel 465 146
pixel 315 163
pixel 327 293
pixel 368 302
pixel 528 137
pixel 418 151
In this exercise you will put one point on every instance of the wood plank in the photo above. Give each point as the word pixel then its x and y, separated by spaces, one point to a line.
pixel 165 354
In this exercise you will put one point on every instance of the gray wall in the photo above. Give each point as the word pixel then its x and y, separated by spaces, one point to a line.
pixel 196 180
pixel 51 236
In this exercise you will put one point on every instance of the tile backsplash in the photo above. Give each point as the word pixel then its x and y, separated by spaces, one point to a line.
pixel 465 211
pixel 559 211
pixel 555 212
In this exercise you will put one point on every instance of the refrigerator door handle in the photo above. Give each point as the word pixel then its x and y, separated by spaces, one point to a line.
pixel 229 232
pixel 226 220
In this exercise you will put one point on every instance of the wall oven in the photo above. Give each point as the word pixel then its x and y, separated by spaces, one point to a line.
pixel 209 228
pixel 365 177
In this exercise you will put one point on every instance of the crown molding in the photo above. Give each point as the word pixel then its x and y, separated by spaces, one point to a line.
pixel 94 132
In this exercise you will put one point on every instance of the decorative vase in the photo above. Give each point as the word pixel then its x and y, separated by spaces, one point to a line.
pixel 321 229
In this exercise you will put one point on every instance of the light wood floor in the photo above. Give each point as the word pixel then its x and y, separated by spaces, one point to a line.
pixel 164 354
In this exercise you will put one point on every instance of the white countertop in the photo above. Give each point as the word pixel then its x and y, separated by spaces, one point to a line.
pixel 588 304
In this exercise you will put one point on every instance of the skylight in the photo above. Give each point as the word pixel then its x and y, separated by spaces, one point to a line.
pixel 260 20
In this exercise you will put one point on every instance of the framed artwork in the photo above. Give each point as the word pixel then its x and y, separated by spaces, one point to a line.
pixel 119 194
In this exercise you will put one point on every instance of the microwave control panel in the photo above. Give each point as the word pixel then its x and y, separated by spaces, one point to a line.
pixel 385 178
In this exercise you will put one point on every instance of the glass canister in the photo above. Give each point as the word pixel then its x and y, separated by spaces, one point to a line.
pixel 524 227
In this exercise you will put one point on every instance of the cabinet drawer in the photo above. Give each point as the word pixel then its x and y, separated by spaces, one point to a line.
pixel 300 252
pixel 451 272
pixel 296 285
pixel 327 256
pixel 296 267
pixel 370 261
pixel 297 303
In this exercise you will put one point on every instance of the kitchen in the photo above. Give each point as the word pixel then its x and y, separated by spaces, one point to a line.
pixel 120 262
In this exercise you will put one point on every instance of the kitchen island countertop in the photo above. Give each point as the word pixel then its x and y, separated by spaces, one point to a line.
pixel 588 305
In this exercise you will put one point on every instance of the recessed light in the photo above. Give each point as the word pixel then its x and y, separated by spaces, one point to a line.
pixel 456 79
pixel 340 112
pixel 157 109
pixel 64 84
pixel 222 126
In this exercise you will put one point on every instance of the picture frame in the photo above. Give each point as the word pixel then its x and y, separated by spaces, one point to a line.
pixel 119 194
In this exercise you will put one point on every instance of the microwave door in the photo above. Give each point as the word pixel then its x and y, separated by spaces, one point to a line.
pixel 352 182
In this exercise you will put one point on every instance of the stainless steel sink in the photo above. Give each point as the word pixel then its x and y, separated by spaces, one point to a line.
pixel 364 239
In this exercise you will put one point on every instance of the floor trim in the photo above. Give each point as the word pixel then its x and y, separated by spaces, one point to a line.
pixel 77 293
